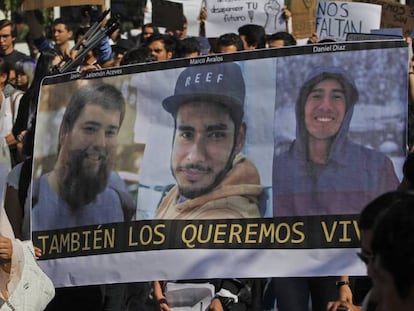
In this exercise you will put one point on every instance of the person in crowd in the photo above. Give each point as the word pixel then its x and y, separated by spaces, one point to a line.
pixel 7 40
pixel 61 30
pixel 280 39
pixel 5 87
pixel 17 185
pixel 323 158
pixel 253 36
pixel 181 34
pixel 23 285
pixel 407 183
pixel 229 43
pixel 120 49
pixel 391 264
pixel 137 56
pixel 82 188
pixel 7 116
pixel 189 47
pixel 45 65
pixel 62 34
pixel 21 27
pixel 206 161
pixel 162 46
pixel 366 223
pixel 148 30
pixel 134 34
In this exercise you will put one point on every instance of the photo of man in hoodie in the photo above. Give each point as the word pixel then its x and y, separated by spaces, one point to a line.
pixel 324 172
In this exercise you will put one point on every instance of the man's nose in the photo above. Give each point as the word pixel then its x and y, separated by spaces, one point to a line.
pixel 100 139
pixel 197 151
pixel 326 103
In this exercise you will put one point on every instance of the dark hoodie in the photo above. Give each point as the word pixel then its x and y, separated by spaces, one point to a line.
pixel 352 176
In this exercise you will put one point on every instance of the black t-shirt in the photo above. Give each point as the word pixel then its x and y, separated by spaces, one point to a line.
pixel 13 57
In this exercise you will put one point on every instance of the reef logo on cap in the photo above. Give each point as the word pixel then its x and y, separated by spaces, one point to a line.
pixel 220 83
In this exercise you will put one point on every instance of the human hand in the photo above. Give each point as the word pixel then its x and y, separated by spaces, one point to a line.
pixel 38 252
pixel 313 38
pixel 165 307
pixel 90 67
pixel 202 17
pixel 6 248
pixel 342 306
pixel 216 305
pixel 286 13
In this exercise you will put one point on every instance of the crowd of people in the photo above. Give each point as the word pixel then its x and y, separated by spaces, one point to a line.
pixel 385 223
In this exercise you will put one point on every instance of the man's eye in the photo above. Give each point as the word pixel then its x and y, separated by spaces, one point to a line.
pixel 217 135
pixel 338 97
pixel 316 96
pixel 186 135
pixel 111 133
pixel 90 129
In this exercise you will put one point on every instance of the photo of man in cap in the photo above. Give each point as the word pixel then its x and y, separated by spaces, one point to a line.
pixel 324 172
pixel 213 179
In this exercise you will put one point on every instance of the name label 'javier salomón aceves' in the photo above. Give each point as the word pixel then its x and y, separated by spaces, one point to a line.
pixel 329 48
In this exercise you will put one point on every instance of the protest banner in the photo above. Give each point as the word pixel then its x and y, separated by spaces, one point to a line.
pixel 335 19
pixel 90 239
pixel 227 16
pixel 41 4
pixel 396 15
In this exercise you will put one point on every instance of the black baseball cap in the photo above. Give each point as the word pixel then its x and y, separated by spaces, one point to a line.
pixel 220 83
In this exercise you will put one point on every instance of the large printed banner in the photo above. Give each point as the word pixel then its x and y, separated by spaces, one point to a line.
pixel 235 165
pixel 227 16
pixel 335 19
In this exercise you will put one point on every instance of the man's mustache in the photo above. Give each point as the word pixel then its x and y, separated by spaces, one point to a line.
pixel 95 153
pixel 198 167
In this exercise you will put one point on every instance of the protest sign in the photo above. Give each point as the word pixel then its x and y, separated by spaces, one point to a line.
pixel 396 15
pixel 41 4
pixel 90 239
pixel 167 14
pixel 227 16
pixel 303 21
pixel 334 19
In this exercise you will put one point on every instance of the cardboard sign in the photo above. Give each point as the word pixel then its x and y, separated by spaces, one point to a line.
pixel 335 19
pixel 41 4
pixel 395 15
pixel 303 21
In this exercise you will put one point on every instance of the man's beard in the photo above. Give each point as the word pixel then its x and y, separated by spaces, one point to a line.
pixel 78 187
pixel 196 192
